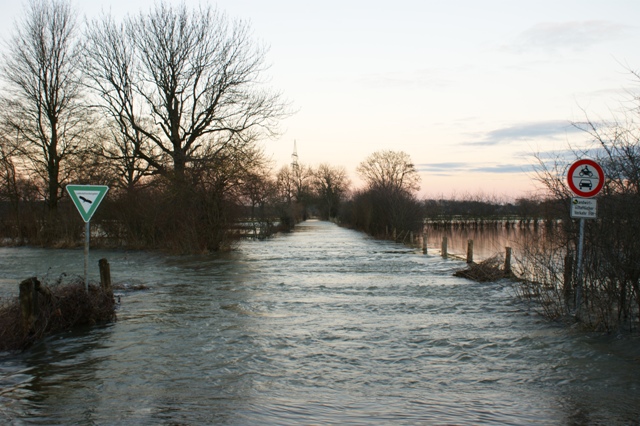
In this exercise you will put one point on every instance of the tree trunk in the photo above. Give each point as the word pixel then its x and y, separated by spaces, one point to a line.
pixel 53 165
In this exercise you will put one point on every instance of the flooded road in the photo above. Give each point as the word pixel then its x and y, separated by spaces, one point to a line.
pixel 320 326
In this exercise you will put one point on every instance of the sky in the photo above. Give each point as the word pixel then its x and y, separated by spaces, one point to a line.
pixel 471 90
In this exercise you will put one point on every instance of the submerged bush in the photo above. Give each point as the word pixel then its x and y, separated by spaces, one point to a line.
pixel 491 269
pixel 60 307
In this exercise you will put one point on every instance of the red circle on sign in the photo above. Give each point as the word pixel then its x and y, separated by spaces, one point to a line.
pixel 585 178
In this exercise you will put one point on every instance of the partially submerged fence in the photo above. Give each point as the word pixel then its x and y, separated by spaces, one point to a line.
pixel 462 221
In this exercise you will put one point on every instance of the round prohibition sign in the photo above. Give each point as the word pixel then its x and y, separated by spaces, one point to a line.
pixel 585 178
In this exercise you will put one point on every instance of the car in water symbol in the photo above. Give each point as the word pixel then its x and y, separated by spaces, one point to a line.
pixel 585 183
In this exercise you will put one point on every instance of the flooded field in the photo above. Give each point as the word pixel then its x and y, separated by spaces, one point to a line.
pixel 487 241
pixel 321 326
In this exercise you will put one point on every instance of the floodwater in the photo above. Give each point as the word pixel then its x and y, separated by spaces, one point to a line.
pixel 488 241
pixel 320 326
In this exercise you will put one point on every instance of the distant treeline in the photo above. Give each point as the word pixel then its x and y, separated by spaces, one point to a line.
pixel 169 109
pixel 526 209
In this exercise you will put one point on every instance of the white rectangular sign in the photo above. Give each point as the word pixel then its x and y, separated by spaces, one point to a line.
pixel 583 208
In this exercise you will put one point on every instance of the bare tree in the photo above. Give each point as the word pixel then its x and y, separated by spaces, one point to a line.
pixel 258 189
pixel 387 206
pixel 109 64
pixel 9 177
pixel 286 185
pixel 330 185
pixel 42 103
pixel 291 194
pixel 179 82
pixel 390 171
pixel 302 176
pixel 123 157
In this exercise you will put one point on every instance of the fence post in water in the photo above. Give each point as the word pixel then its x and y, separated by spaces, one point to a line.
pixel 507 261
pixel 424 243
pixel 470 251
pixel 105 275
pixel 443 251
pixel 28 304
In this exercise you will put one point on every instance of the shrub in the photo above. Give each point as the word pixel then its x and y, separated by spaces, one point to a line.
pixel 61 307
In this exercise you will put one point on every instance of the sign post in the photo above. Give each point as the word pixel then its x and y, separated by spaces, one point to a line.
pixel 586 179
pixel 87 198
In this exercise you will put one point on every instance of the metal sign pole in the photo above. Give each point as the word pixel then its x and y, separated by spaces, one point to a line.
pixel 586 179
pixel 579 272
pixel 87 236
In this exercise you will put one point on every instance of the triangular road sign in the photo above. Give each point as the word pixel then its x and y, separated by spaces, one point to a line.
pixel 87 198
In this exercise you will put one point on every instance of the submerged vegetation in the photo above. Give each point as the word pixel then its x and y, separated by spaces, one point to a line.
pixel 603 294
pixel 57 307
pixel 491 269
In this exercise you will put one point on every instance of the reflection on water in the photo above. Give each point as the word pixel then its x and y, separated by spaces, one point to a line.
pixel 487 241
pixel 322 326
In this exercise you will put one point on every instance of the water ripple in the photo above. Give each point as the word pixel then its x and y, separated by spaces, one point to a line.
pixel 321 326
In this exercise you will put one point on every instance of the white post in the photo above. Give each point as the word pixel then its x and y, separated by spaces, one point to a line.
pixel 87 235
pixel 579 271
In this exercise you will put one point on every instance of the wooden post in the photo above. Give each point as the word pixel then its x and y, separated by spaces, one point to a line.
pixel 443 251
pixel 105 275
pixel 29 303
pixel 395 237
pixel 424 243
pixel 507 261
pixel 470 251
